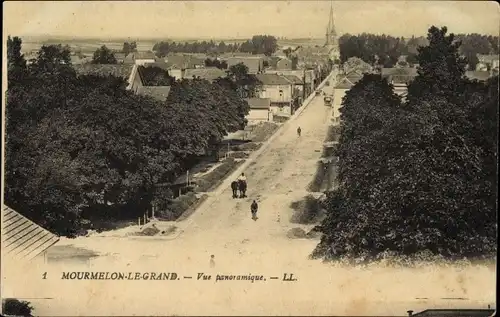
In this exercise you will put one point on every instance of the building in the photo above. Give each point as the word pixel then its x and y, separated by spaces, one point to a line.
pixel 22 239
pixel 140 58
pixel 356 64
pixel 131 73
pixel 400 78
pixel 255 64
pixel 306 76
pixel 208 73
pixel 279 90
pixel 141 85
pixel 119 70
pixel 284 64
pixel 185 61
pixel 260 109
pixel 344 83
pixel 487 62
pixel 479 75
pixel 332 43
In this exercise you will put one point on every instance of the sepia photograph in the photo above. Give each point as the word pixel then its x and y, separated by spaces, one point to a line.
pixel 249 158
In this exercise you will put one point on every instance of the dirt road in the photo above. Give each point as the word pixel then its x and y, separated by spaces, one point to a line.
pixel 242 246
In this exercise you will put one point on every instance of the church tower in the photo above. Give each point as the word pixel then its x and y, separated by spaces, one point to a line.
pixel 332 42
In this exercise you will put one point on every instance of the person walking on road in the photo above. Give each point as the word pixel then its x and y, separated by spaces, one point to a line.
pixel 299 130
pixel 254 207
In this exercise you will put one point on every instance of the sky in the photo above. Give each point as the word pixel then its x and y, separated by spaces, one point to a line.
pixel 242 19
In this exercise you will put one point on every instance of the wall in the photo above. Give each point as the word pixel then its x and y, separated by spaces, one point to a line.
pixel 281 110
pixel 338 94
pixel 176 73
pixel 284 64
pixel 259 115
pixel 273 92
pixel 136 80
pixel 143 61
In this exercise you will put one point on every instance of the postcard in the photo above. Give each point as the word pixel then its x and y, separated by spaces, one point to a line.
pixel 249 158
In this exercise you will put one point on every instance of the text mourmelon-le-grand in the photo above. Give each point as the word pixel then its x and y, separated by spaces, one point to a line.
pixel 156 276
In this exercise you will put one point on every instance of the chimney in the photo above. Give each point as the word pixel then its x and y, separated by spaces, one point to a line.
pixel 410 313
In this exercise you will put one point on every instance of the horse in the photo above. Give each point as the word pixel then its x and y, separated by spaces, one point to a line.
pixel 242 185
pixel 235 187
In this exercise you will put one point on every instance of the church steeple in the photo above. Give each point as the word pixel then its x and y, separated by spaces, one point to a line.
pixel 331 33
pixel 331 37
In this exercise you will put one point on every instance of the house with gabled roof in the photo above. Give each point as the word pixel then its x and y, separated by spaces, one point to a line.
pixel 132 74
pixel 207 73
pixel 284 64
pixel 124 71
pixel 308 76
pixel 185 61
pixel 279 90
pixel 255 64
pixel 344 83
pixel 22 239
pixel 260 109
pixel 400 78
pixel 140 58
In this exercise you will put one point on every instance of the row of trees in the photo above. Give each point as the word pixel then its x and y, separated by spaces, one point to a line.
pixel 215 63
pixel 84 148
pixel 385 49
pixel 418 175
pixel 259 44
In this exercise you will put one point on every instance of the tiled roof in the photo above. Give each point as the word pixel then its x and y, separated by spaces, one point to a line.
pixel 477 75
pixel 143 55
pixel 158 92
pixel 118 70
pixel 254 64
pixel 347 82
pixel 299 73
pixel 408 71
pixel 184 61
pixel 208 73
pixel 22 238
pixel 294 79
pixel 272 79
pixel 159 64
pixel 259 103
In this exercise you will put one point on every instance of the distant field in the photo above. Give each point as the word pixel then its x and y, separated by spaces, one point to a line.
pixel 89 45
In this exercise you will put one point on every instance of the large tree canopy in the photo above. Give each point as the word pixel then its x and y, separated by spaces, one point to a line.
pixel 420 175
pixel 104 55
pixel 84 148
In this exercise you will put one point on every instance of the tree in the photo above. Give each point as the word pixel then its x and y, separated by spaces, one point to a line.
pixel 16 64
pixel 240 80
pixel 103 55
pixel 14 307
pixel 417 176
pixel 129 48
pixel 441 67
pixel 52 59
pixel 83 148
